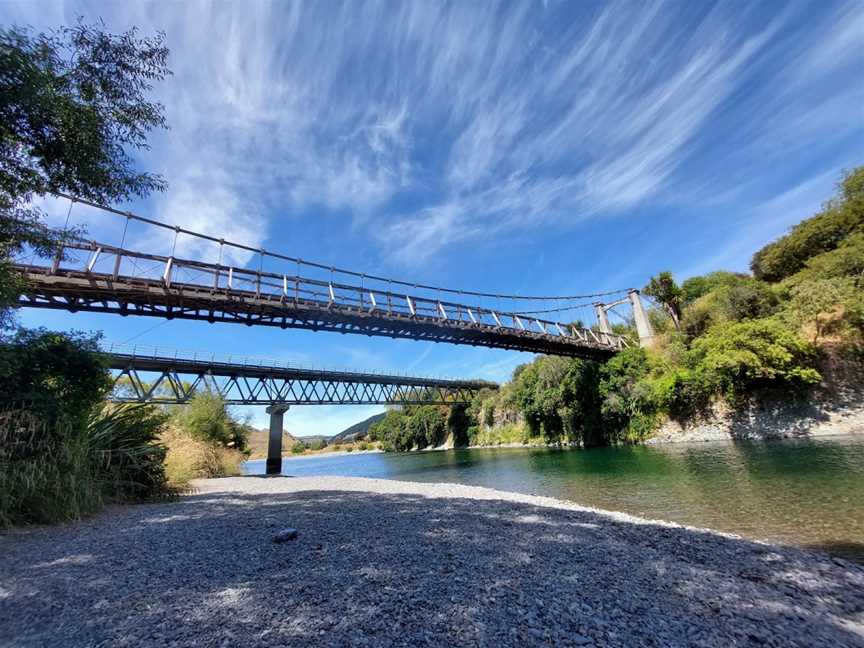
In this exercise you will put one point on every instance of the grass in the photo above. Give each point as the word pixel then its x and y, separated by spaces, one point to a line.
pixel 54 471
pixel 188 458
pixel 53 486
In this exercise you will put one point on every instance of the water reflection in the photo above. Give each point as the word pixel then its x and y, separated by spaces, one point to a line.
pixel 804 492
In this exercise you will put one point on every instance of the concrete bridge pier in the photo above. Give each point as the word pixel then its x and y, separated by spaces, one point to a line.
pixel 274 441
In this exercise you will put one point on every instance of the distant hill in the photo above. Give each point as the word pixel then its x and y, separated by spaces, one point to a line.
pixel 258 443
pixel 358 429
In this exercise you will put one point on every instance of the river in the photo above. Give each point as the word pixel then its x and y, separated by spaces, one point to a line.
pixel 808 493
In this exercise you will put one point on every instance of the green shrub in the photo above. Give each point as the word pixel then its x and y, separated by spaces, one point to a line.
pixel 298 448
pixel 58 375
pixel 417 426
pixel 507 434
pixel 686 393
pixel 735 298
pixel 845 261
pixel 208 418
pixel 734 357
pixel 630 407
pixel 695 287
pixel 53 470
pixel 62 453
pixel 826 306
pixel 473 433
pixel 124 444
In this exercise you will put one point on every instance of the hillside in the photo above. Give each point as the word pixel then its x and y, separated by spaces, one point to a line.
pixel 258 443
pixel 358 429
pixel 778 352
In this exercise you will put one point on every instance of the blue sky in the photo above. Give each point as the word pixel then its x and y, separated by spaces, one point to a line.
pixel 555 147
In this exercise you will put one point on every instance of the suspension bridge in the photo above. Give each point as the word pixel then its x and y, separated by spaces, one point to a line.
pixel 96 276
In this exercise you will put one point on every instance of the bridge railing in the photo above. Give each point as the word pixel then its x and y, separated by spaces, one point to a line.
pixel 94 258
pixel 153 352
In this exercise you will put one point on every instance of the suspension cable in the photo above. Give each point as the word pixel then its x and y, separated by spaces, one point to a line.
pixel 276 255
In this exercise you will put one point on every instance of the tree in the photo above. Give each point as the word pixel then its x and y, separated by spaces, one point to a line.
pixel 664 289
pixel 57 375
pixel 207 417
pixel 73 103
pixel 825 304
pixel 628 404
pixel 695 287
pixel 822 233
pixel 427 425
pixel 392 431
pixel 581 410
pixel 733 298
pixel 458 423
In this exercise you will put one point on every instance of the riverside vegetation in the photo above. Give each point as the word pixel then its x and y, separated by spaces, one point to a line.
pixel 73 106
pixel 65 451
pixel 724 338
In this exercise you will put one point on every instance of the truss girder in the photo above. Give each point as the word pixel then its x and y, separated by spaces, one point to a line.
pixel 175 381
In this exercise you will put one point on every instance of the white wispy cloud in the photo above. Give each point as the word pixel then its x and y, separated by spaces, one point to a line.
pixel 579 128
pixel 432 124
pixel 841 44
pixel 765 222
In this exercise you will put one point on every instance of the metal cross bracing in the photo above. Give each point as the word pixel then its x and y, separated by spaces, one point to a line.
pixel 175 380
pixel 96 277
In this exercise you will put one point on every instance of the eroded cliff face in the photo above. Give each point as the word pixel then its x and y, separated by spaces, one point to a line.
pixel 504 417
pixel 835 407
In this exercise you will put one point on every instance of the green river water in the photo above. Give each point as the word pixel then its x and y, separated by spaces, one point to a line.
pixel 802 492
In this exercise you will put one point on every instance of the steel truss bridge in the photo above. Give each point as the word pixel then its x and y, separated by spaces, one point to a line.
pixel 106 279
pixel 175 380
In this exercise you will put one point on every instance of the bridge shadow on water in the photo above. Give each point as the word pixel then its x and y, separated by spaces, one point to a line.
pixel 406 570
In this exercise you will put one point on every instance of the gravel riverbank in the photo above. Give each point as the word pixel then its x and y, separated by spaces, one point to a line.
pixel 387 563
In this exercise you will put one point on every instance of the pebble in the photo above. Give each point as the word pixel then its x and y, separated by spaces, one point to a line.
pixel 195 573
pixel 285 535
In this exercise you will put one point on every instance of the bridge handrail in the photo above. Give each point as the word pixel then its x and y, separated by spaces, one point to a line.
pixel 436 310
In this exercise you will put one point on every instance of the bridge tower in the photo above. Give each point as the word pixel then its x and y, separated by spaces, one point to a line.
pixel 643 326
pixel 602 318
pixel 640 317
